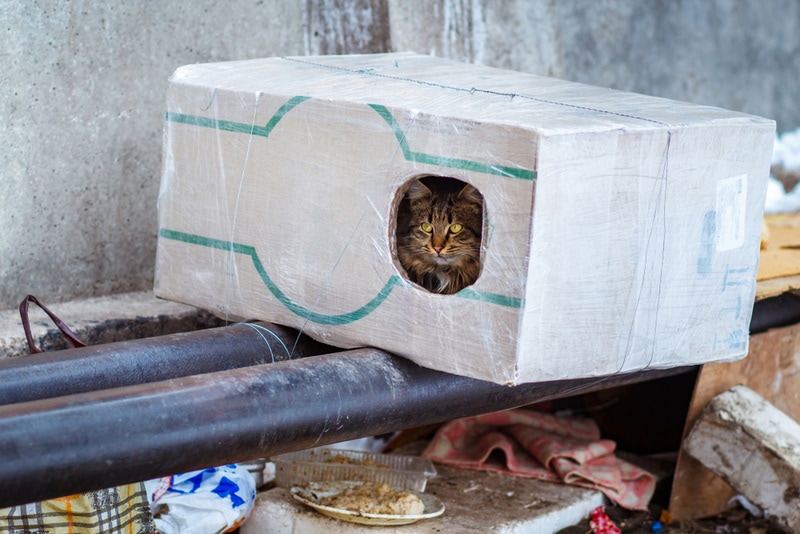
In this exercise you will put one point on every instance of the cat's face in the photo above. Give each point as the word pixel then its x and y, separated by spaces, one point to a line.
pixel 439 236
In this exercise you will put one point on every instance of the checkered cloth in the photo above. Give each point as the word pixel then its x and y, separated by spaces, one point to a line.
pixel 120 510
pixel 540 445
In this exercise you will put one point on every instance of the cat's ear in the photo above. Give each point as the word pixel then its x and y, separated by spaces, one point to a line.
pixel 418 191
pixel 470 194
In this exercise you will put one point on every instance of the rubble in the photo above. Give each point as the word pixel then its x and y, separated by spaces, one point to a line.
pixel 755 448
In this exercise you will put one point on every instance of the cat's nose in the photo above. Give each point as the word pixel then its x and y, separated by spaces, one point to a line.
pixel 437 249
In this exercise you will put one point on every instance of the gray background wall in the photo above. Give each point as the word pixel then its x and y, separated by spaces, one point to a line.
pixel 83 87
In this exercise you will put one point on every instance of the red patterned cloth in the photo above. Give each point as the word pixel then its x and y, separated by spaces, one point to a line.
pixel 601 523
pixel 540 445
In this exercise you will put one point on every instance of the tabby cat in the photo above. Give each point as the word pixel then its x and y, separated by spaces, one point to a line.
pixel 439 227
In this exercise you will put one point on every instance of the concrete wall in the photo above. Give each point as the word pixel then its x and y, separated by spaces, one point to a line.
pixel 735 54
pixel 83 91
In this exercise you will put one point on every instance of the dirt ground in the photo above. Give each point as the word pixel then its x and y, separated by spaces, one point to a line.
pixel 735 521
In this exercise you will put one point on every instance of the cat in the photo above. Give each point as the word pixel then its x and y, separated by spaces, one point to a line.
pixel 439 229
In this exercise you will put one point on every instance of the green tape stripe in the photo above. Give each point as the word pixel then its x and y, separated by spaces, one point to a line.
pixel 298 310
pixel 493 298
pixel 408 154
pixel 453 163
pixel 313 316
pixel 238 127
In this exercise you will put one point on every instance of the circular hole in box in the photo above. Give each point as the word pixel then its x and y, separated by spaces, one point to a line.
pixel 438 228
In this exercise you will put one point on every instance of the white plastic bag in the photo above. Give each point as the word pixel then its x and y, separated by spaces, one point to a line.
pixel 211 501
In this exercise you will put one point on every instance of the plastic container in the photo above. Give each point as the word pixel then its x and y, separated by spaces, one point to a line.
pixel 256 468
pixel 324 464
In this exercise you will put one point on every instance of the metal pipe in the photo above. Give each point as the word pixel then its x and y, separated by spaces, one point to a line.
pixel 775 312
pixel 154 359
pixel 126 363
pixel 65 445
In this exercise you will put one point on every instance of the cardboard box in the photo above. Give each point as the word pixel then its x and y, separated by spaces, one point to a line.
pixel 621 231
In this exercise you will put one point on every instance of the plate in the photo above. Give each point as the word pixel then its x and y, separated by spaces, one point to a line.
pixel 313 492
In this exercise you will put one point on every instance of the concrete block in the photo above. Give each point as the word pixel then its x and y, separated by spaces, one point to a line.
pixel 101 320
pixel 755 448
pixel 475 501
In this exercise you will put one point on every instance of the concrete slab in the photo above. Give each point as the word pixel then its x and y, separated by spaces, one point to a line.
pixel 102 320
pixel 755 448
pixel 475 501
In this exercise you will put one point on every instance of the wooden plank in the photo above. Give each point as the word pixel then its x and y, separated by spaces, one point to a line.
pixel 772 369
pixel 777 286
pixel 779 260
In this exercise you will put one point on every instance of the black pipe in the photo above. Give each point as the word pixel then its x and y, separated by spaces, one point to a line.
pixel 126 363
pixel 65 445
pixel 775 312
pixel 154 359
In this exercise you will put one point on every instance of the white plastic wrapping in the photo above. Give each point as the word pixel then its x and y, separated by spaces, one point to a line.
pixel 621 231
pixel 215 500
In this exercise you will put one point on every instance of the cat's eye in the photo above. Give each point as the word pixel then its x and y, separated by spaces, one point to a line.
pixel 426 227
pixel 455 228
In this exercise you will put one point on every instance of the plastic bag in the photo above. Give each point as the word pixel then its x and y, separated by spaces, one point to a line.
pixel 210 501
